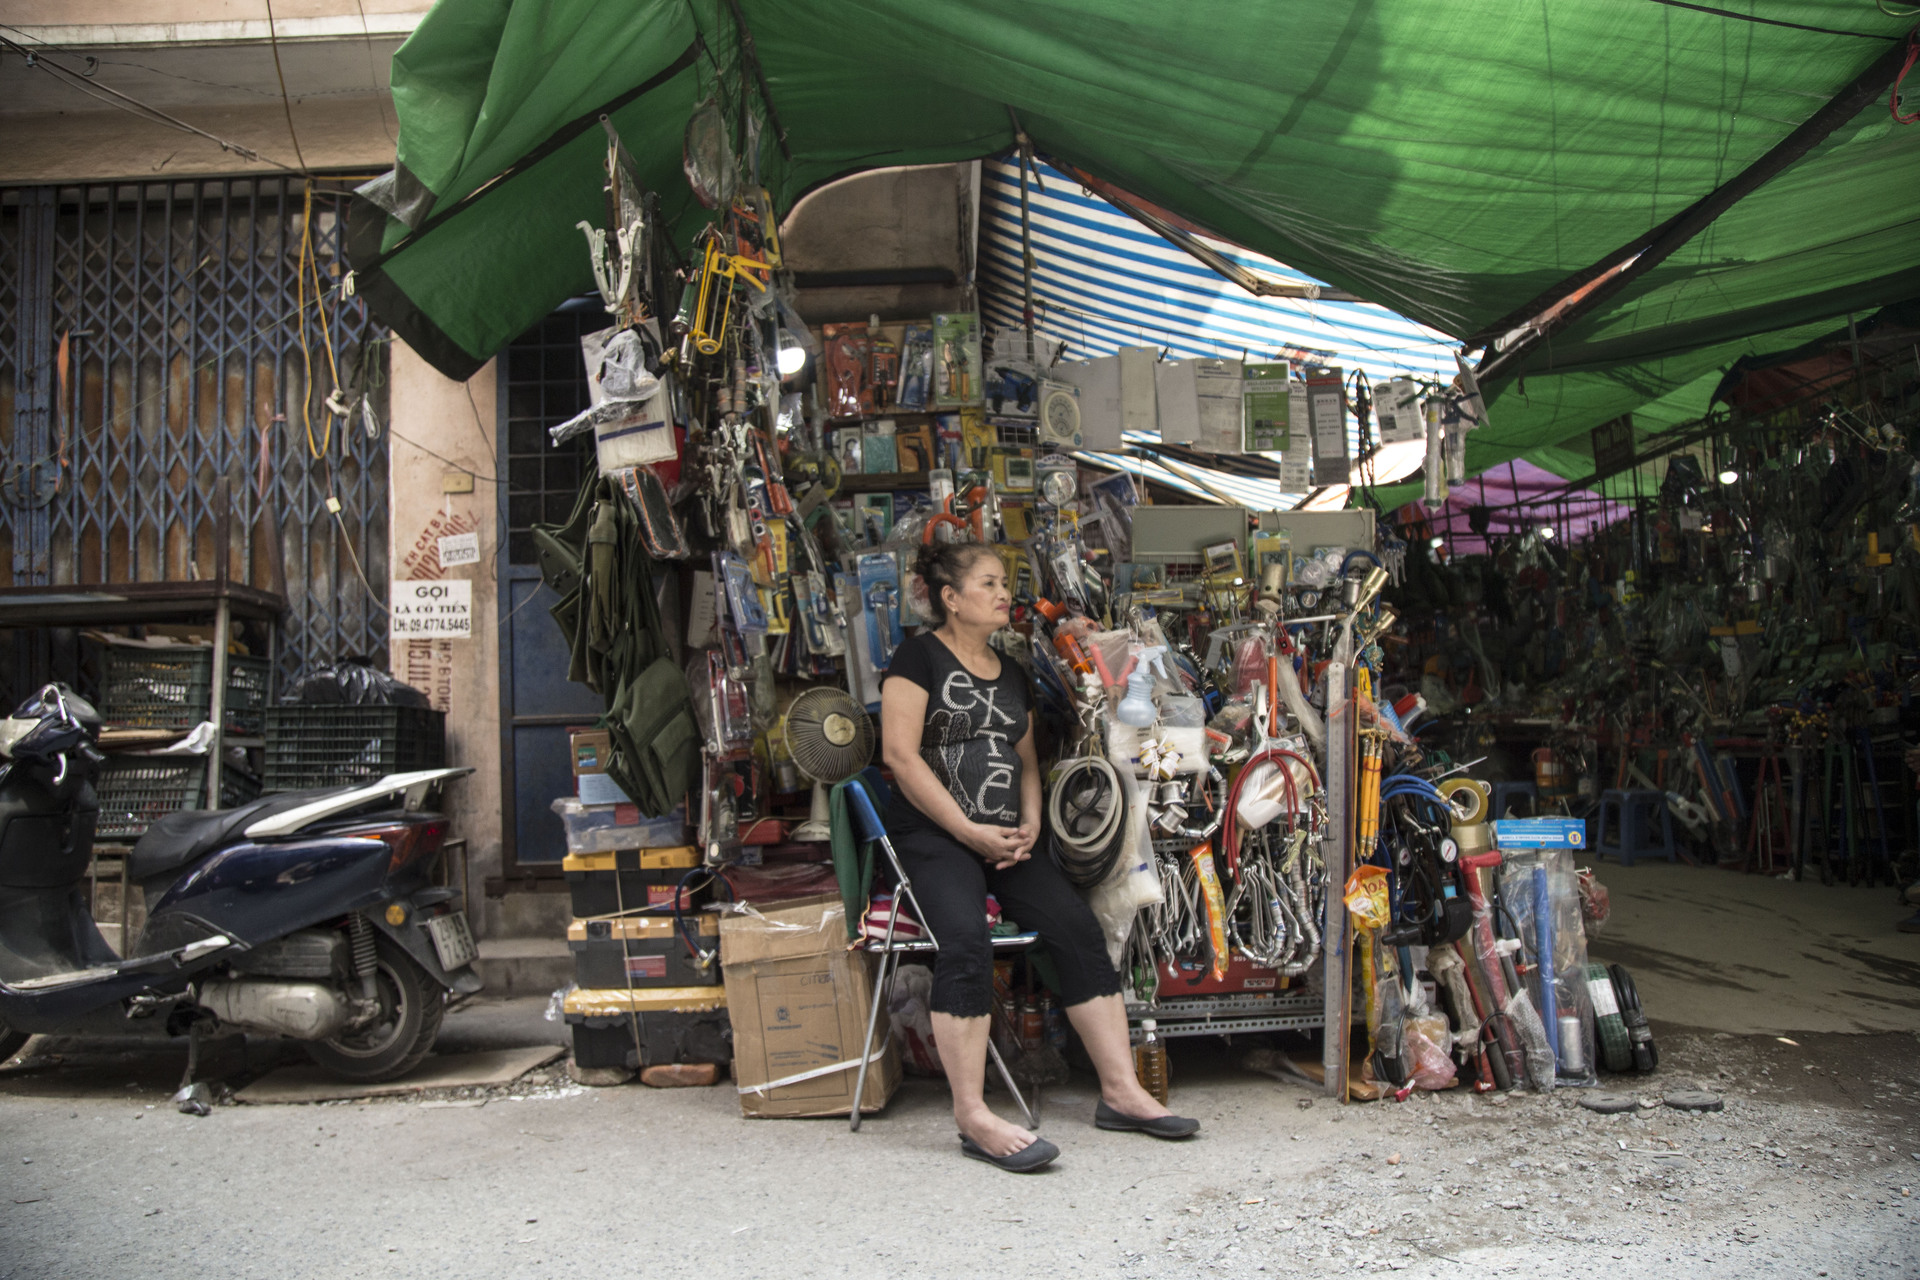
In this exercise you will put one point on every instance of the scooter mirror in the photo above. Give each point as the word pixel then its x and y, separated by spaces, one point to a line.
pixel 51 723
pixel 47 739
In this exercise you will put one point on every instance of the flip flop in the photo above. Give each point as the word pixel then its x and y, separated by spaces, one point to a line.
pixel 1105 1117
pixel 1031 1158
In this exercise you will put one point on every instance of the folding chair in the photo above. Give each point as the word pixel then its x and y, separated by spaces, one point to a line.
pixel 867 825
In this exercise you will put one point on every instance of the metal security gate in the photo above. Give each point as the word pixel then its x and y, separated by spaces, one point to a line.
pixel 156 338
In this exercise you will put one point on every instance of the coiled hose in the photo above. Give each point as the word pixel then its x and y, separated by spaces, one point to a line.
pixel 1086 818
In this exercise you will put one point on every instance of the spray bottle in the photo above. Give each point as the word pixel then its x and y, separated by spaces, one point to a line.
pixel 1137 707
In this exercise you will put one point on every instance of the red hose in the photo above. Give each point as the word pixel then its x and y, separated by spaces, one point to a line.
pixel 1230 845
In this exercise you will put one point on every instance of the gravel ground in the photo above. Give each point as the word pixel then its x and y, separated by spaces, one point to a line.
pixel 1808 1172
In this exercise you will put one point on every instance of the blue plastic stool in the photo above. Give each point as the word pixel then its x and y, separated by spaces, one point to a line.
pixel 1632 815
pixel 1503 792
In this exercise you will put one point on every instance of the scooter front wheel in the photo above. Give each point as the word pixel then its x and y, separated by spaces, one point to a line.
pixel 394 1042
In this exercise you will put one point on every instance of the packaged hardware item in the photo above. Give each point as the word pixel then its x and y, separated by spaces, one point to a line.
pixel 956 360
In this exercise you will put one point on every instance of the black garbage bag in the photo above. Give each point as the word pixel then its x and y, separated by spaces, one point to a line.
pixel 353 684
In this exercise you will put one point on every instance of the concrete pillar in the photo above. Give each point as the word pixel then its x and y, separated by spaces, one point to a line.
pixel 442 436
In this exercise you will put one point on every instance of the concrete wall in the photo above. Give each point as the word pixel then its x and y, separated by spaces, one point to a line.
pixel 910 219
pixel 210 64
pixel 455 421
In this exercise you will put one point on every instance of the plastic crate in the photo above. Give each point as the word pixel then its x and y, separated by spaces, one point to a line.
pixel 335 746
pixel 134 791
pixel 171 688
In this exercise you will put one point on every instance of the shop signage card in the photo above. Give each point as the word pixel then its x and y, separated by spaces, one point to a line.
pixel 1137 391
pixel 1265 408
pixel 1396 407
pixel 1100 414
pixel 432 609
pixel 1217 386
pixel 1296 460
pixel 1326 407
pixel 1613 445
pixel 1176 398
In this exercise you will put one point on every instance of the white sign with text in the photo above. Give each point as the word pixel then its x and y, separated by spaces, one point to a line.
pixel 459 548
pixel 433 609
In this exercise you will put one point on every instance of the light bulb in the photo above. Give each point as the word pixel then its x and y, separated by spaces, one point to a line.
pixel 1729 476
pixel 792 357
pixel 1436 543
pixel 1548 532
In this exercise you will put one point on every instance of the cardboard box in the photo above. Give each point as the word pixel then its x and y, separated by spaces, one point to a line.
pixel 591 749
pixel 798 1001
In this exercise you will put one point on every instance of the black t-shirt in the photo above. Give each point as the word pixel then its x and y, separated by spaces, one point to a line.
pixel 970 732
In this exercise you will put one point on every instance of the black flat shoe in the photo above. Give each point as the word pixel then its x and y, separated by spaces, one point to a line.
pixel 1031 1158
pixel 1105 1117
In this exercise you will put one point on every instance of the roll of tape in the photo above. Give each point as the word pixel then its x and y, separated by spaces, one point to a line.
pixel 1469 800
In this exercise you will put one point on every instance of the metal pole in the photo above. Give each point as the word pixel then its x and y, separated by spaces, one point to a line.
pixel 222 637
pixel 1335 849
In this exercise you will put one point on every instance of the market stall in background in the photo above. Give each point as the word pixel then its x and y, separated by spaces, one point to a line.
pixel 1358 628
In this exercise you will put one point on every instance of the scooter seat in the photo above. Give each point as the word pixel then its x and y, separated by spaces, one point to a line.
pixel 181 839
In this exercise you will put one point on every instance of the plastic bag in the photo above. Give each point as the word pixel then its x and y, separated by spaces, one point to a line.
pixel 1596 905
pixel 910 1010
pixel 1366 897
pixel 354 684
pixel 1134 882
pixel 1541 894
pixel 1427 1044
pixel 1532 1034
pixel 623 368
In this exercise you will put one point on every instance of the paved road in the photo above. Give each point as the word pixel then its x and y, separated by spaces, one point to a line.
pixel 1802 1176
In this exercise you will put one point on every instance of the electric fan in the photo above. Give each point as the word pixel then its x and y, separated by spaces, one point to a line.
pixel 830 739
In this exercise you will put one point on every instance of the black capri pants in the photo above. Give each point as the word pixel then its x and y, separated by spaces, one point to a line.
pixel 951 883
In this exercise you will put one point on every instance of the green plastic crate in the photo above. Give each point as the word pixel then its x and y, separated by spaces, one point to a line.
pixel 172 688
pixel 135 791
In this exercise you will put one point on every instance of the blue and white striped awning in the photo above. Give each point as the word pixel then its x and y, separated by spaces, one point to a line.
pixel 1103 281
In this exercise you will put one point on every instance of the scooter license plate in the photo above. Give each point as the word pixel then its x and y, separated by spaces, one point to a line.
pixel 452 940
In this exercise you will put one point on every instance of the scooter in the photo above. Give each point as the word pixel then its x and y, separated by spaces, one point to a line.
pixel 305 914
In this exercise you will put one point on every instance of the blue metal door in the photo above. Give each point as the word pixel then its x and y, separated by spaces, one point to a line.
pixel 542 383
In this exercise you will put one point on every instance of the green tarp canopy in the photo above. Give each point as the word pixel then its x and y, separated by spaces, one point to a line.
pixel 1451 160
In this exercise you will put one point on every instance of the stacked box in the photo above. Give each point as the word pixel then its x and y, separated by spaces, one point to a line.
pixel 637 1029
pixel 623 881
pixel 646 952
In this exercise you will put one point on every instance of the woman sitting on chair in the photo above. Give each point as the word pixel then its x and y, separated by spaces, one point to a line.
pixel 958 734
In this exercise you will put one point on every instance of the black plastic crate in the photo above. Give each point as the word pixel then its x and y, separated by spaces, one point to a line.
pixel 334 746
pixel 134 791
pixel 172 687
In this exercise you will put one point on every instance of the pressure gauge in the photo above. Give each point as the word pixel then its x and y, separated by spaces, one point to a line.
pixel 1059 419
pixel 1059 487
pixel 1449 851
